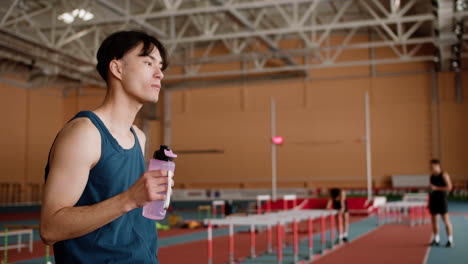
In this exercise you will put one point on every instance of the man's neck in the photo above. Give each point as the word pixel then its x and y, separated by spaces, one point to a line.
pixel 118 112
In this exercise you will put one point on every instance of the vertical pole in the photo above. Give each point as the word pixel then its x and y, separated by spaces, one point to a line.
pixel 252 241
pixel 210 243
pixel 379 216
pixel 231 243
pixel 295 241
pixel 411 215
pixel 280 243
pixel 391 214
pixel 259 206
pixel 273 149
pixel 421 214
pixel 269 239
pixel 428 215
pixel 19 242
pixel 435 116
pixel 5 246
pixel 399 214
pixel 332 230
pixel 167 106
pixel 388 218
pixel 323 235
pixel 47 256
pixel 368 148
pixel 311 237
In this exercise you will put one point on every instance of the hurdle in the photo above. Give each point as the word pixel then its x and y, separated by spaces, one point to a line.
pixel 289 197
pixel 394 212
pixel 323 237
pixel 332 230
pixel 206 208
pixel 210 243
pixel 415 197
pixel 19 233
pixel 263 198
pixel 279 219
pixel 310 236
pixel 217 203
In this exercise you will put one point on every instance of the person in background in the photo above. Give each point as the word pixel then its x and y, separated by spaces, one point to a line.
pixel 438 204
pixel 338 202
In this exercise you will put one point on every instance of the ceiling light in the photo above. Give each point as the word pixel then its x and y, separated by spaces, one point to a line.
pixel 69 17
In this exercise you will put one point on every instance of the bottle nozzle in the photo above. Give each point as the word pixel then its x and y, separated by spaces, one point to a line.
pixel 164 153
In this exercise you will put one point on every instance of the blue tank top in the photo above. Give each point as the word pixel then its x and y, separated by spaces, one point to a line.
pixel 130 238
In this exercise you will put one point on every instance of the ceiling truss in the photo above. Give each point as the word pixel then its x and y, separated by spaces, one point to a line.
pixel 258 36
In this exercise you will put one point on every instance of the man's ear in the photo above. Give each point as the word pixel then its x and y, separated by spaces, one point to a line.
pixel 115 68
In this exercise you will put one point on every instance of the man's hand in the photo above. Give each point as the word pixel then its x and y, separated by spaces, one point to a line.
pixel 433 187
pixel 151 186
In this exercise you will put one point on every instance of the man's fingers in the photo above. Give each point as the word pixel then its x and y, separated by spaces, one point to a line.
pixel 157 173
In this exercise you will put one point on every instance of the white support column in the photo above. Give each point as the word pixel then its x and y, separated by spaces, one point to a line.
pixel 167 125
pixel 368 149
pixel 273 149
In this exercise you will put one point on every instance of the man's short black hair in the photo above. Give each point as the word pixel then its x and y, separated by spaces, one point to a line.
pixel 119 43
pixel 335 192
pixel 435 161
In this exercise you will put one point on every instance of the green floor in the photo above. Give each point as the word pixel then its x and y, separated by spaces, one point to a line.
pixel 459 253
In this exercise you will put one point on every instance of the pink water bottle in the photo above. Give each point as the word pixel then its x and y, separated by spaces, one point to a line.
pixel 162 160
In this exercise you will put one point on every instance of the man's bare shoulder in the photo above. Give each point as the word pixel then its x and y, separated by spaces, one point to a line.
pixel 81 131
pixel 140 134
pixel 78 137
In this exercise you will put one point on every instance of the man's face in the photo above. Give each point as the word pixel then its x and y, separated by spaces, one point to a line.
pixel 142 75
pixel 435 167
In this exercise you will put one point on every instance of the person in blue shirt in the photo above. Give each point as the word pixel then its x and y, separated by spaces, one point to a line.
pixel 96 183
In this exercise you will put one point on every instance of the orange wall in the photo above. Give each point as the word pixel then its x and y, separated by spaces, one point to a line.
pixel 454 127
pixel 32 117
pixel 400 124
pixel 44 122
pixel 321 118
pixel 321 122
pixel 31 120
pixel 13 135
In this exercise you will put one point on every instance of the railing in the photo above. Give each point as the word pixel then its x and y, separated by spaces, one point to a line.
pixel 15 193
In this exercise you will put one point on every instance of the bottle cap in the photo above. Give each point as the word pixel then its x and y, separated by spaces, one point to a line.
pixel 164 153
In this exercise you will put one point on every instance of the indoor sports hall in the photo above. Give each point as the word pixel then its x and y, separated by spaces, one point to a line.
pixel 234 131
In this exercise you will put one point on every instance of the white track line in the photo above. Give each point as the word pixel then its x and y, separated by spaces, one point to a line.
pixel 426 256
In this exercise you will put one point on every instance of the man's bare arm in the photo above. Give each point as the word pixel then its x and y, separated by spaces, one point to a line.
pixel 343 200
pixel 76 150
pixel 448 181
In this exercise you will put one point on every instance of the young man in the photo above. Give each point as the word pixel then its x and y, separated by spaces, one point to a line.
pixel 96 182
pixel 338 202
pixel 438 205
